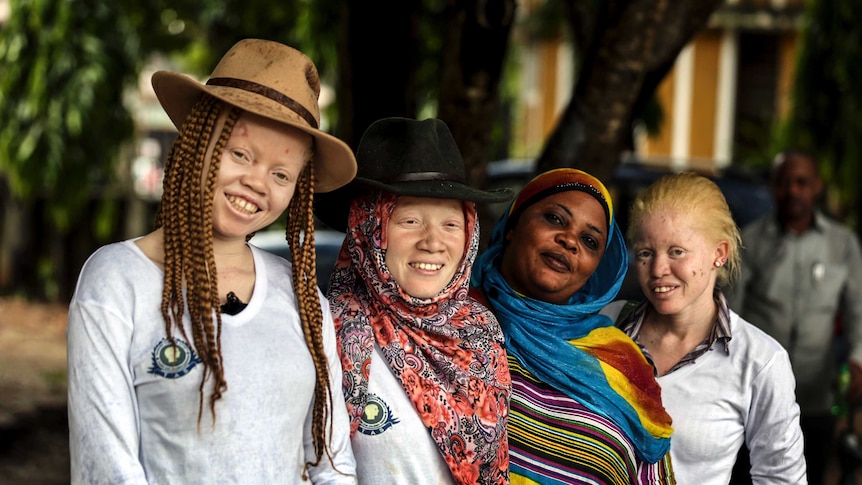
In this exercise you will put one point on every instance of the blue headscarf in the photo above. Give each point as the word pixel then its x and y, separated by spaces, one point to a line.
pixel 554 342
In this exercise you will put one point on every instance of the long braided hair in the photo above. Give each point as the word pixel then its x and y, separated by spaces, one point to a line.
pixel 185 216
pixel 300 237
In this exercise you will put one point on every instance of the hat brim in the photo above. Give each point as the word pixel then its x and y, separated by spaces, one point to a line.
pixel 333 208
pixel 334 162
pixel 439 189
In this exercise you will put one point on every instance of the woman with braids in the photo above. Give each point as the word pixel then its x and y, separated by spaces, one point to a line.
pixel 425 376
pixel 193 356
pixel 585 405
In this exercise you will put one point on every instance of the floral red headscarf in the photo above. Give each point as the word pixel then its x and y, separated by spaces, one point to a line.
pixel 447 351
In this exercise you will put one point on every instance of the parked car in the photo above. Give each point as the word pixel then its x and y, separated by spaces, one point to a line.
pixel 327 244
pixel 748 198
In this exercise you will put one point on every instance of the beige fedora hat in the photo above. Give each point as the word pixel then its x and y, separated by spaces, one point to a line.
pixel 271 80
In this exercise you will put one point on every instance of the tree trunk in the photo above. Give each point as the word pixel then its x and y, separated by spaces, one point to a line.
pixel 17 259
pixel 474 48
pixel 633 46
pixel 22 247
pixel 377 69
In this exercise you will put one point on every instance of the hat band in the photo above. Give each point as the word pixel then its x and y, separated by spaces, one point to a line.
pixel 267 92
pixel 424 177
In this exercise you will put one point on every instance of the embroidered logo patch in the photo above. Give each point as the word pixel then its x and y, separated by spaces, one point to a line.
pixel 173 361
pixel 376 417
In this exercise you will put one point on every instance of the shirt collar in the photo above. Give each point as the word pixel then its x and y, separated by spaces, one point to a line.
pixel 633 322
pixel 819 221
pixel 819 225
pixel 721 330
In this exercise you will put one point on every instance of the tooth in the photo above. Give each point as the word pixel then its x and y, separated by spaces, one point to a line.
pixel 242 204
pixel 427 266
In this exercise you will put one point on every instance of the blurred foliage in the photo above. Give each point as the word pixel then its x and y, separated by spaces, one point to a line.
pixel 826 117
pixel 65 67
pixel 756 142
pixel 431 33
pixel 652 116
pixel 215 25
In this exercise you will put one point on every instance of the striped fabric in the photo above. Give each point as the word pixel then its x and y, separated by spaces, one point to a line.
pixel 553 440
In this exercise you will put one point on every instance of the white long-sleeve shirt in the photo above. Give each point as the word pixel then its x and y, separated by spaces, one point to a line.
pixel 729 395
pixel 133 400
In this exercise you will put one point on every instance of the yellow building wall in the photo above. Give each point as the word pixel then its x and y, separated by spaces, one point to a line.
pixel 707 50
pixel 542 113
pixel 786 72
pixel 659 146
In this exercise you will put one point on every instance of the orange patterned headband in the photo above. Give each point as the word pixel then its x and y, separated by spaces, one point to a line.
pixel 560 180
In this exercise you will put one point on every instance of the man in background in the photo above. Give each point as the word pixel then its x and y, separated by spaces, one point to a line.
pixel 801 271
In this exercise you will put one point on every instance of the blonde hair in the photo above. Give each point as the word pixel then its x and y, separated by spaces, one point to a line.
pixel 695 195
pixel 185 216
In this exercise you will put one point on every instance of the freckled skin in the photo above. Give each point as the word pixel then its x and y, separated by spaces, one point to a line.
pixel 260 165
pixel 673 256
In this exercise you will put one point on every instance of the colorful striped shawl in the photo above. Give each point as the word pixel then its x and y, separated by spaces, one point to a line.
pixel 555 440
pixel 574 349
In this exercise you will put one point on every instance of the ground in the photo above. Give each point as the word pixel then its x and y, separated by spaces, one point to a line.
pixel 34 436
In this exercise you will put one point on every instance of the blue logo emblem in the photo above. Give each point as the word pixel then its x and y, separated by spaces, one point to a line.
pixel 173 360
pixel 376 417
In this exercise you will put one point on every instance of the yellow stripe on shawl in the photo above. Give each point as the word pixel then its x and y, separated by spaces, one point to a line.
pixel 521 480
pixel 630 375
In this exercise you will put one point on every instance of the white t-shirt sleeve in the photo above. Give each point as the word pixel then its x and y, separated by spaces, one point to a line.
pixel 103 413
pixel 344 470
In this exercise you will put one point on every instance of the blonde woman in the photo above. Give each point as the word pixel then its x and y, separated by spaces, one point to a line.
pixel 723 381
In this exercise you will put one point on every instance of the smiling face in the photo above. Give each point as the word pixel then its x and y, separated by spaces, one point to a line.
pixel 555 246
pixel 676 263
pixel 426 240
pixel 260 166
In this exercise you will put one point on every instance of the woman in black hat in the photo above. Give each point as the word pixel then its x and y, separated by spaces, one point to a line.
pixel 425 376
pixel 193 356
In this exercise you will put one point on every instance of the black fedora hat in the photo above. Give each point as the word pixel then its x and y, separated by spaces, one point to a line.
pixel 405 157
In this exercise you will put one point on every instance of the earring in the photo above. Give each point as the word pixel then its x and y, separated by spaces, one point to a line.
pixel 718 264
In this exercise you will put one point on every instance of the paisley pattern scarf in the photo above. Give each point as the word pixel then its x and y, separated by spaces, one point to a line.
pixel 447 351
pixel 572 347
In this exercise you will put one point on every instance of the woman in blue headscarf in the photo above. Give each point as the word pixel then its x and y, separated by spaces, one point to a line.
pixel 585 405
